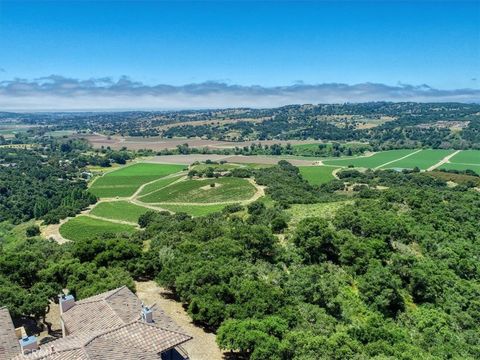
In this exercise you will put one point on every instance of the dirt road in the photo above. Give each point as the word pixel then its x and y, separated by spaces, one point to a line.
pixel 443 161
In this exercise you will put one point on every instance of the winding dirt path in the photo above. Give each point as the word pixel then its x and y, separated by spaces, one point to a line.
pixel 445 160
pixel 53 231
pixel 334 172
pixel 259 192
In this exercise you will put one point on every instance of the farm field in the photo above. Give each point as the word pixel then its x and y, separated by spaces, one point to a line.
pixel 199 191
pixel 84 227
pixel 317 175
pixel 125 181
pixel 373 161
pixel 194 210
pixel 218 167
pixel 422 159
pixel 467 157
pixel 157 185
pixel 60 133
pixel 119 210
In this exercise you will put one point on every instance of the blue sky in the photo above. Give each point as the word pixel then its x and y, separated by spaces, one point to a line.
pixel 246 43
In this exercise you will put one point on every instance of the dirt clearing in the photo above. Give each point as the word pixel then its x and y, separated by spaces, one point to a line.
pixel 203 345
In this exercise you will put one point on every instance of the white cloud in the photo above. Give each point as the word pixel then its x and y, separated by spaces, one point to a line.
pixel 60 93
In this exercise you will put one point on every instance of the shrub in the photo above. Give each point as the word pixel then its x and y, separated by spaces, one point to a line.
pixel 32 230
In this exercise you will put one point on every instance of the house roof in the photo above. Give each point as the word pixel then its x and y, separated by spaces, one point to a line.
pixel 109 326
pixel 9 345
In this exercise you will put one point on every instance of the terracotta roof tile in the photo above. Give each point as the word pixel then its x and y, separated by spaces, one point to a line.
pixel 108 326
pixel 125 304
pixel 9 345
pixel 148 337
pixel 88 317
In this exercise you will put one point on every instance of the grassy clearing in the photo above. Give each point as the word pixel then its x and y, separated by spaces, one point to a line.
pixel 83 227
pixel 60 133
pixel 157 185
pixel 456 178
pixel 317 175
pixel 119 210
pixel 467 157
pixel 125 181
pixel 11 234
pixel 194 210
pixel 423 159
pixel 100 169
pixel 373 161
pixel 192 191
pixel 299 212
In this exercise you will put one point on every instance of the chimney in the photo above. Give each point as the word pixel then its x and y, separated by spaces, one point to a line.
pixel 147 314
pixel 28 344
pixel 66 302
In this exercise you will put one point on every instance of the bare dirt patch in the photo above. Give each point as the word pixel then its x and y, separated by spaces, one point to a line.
pixel 186 159
pixel 238 159
pixel 203 345
pixel 52 231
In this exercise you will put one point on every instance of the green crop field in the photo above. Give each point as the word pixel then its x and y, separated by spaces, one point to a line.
pixel 423 159
pixel 317 174
pixel 194 210
pixel 83 227
pixel 216 167
pixel 377 159
pixel 160 183
pixel 119 210
pixel 126 180
pixel 467 157
pixel 199 191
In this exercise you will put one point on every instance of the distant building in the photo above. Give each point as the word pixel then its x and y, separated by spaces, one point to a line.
pixel 112 325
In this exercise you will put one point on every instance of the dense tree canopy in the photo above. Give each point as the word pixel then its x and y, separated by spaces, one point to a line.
pixel 392 273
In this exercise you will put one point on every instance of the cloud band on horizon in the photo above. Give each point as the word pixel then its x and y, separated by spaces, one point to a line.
pixel 56 92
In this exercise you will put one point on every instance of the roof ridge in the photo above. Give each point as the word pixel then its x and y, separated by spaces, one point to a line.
pixel 105 332
pixel 86 301
pixel 113 310
pixel 114 291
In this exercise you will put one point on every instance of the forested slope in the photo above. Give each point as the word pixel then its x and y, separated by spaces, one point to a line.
pixel 393 274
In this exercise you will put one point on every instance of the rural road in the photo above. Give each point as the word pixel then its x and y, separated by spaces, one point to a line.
pixel 443 161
